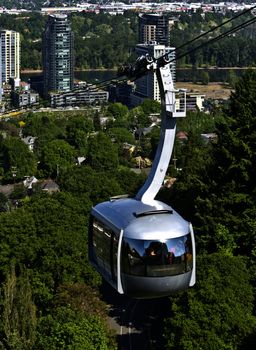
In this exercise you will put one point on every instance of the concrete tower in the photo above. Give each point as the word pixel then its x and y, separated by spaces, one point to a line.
pixel 10 55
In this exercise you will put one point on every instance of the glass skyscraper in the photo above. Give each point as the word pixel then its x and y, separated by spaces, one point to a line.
pixel 58 55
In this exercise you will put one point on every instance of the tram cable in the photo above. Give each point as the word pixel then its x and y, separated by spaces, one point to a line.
pixel 165 58
pixel 211 30
pixel 219 37
pixel 125 69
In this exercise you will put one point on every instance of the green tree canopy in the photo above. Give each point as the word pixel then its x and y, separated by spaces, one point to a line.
pixel 150 106
pixel 118 110
pixel 18 160
pixel 99 186
pixel 217 183
pixel 231 178
pixel 102 153
pixel 217 312
pixel 69 330
pixel 137 118
pixel 77 130
pixel 57 155
pixel 120 135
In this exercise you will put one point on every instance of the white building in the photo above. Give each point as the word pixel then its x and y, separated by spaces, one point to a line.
pixel 195 101
pixel 147 86
pixel 10 55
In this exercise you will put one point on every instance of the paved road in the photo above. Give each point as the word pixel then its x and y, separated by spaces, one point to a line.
pixel 137 323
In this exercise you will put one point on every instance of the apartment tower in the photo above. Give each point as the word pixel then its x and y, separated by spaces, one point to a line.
pixel 58 55
pixel 10 55
pixel 154 27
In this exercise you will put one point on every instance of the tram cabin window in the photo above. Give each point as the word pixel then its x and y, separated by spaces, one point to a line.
pixel 157 258
pixel 105 245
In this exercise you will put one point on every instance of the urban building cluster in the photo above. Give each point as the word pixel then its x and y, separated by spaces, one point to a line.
pixel 57 81
pixel 154 39
pixel 17 93
pixel 141 7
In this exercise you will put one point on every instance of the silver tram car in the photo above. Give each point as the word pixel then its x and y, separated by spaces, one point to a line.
pixel 143 251
pixel 141 246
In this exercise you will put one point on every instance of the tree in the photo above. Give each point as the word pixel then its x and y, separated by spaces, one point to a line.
pixel 198 122
pixel 82 298
pixel 9 128
pixel 45 127
pixel 66 329
pixel 102 154
pixel 56 156
pixel 18 239
pixel 217 184
pixel 18 160
pixel 129 181
pixel 154 140
pixel 218 312
pixel 61 229
pixel 19 312
pixel 139 119
pixel 78 129
pixel 232 78
pixel 231 184
pixel 150 106
pixel 120 137
pixel 205 77
pixel 98 186
pixel 120 114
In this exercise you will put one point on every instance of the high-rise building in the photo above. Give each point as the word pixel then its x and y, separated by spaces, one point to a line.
pixel 10 55
pixel 58 55
pixel 154 27
pixel 147 86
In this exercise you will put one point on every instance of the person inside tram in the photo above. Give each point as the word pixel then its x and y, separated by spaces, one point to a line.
pixel 157 253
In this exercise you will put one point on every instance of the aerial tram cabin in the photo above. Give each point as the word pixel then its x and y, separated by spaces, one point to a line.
pixel 141 246
pixel 143 251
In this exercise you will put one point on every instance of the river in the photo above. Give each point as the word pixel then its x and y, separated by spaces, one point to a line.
pixel 186 75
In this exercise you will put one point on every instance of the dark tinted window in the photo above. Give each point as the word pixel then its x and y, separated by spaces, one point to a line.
pixel 155 258
pixel 105 245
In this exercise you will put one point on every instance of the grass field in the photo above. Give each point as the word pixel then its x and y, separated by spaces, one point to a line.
pixel 212 90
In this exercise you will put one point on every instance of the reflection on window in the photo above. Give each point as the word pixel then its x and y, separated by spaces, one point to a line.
pixel 155 258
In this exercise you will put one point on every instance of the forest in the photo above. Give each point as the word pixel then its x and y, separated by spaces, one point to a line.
pixel 51 297
pixel 105 41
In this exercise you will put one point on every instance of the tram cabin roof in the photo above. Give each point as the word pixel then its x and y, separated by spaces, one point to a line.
pixel 138 219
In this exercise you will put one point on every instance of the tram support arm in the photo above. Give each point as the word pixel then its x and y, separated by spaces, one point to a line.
pixel 169 113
